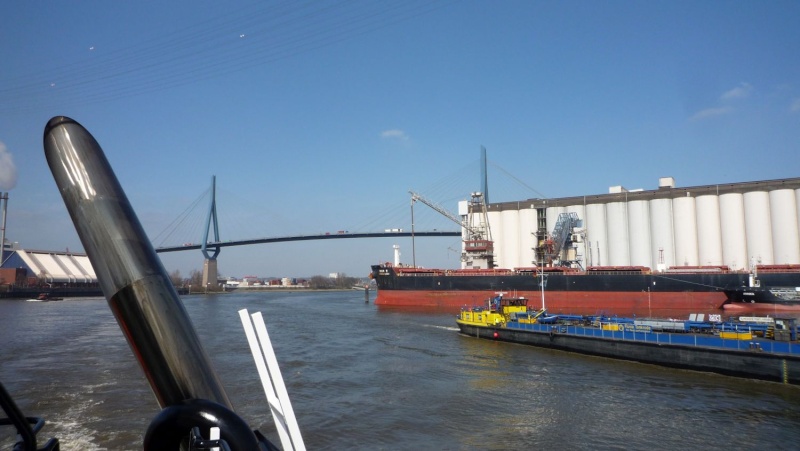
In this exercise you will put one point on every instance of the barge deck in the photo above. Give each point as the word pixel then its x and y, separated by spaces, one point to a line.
pixel 756 347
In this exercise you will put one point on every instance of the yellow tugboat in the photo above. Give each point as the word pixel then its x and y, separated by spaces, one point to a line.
pixel 498 312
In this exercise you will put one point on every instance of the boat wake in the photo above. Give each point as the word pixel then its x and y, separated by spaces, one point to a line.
pixel 448 328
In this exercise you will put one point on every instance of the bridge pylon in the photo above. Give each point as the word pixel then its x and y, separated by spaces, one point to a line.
pixel 210 275
pixel 210 282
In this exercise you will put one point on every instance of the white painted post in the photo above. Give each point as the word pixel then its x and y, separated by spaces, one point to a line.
pixel 266 382
pixel 277 382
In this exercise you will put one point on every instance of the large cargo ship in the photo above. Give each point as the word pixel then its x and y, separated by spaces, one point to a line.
pixel 610 290
pixel 699 242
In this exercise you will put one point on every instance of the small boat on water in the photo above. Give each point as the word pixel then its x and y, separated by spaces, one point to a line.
pixel 754 347
pixel 45 297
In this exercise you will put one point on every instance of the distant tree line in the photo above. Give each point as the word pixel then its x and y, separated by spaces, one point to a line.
pixel 195 278
pixel 327 283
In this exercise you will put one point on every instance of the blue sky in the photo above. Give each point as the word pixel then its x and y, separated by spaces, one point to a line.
pixel 320 116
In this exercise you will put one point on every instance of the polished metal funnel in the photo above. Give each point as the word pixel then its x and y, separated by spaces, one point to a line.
pixel 134 282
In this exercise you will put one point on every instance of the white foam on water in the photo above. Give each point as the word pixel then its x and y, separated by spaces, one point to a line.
pixel 73 428
pixel 72 435
pixel 434 326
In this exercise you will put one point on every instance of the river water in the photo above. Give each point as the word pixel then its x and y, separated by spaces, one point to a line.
pixel 361 377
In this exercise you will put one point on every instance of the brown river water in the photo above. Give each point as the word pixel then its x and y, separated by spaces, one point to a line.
pixel 361 377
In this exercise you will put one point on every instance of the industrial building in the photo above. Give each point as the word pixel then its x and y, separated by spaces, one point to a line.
pixel 59 273
pixel 735 225
pixel 47 268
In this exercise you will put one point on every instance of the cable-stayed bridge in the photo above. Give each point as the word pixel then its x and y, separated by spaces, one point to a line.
pixel 325 236
pixel 210 245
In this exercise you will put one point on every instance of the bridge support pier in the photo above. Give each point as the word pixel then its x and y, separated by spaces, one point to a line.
pixel 210 275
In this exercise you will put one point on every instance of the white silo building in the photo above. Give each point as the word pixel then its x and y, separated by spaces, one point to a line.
pixel 735 225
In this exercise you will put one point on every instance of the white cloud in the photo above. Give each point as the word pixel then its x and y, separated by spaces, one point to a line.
pixel 739 92
pixel 710 112
pixel 394 134
pixel 8 172
pixel 795 106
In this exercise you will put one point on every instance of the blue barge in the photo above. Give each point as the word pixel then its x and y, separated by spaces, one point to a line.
pixel 755 347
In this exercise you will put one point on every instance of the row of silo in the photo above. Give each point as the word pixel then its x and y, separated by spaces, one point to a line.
pixel 514 241
pixel 661 229
pixel 617 242
pixel 527 238
pixel 595 225
pixel 726 229
pixel 686 229
pixel 732 232
pixel 709 238
pixel 785 216
pixel 511 244
pixel 662 233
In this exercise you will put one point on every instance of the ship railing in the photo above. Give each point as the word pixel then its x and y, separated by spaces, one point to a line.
pixel 453 272
pixel 615 273
pixel 703 271
pixel 478 272
pixel 661 338
pixel 27 428
pixel 696 268
pixel 778 268
pixel 641 269
pixel 578 272
pixel 407 272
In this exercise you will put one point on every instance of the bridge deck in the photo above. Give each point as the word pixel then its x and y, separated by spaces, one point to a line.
pixel 326 236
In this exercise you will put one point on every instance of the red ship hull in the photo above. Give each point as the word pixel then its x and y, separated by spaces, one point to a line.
pixel 581 303
pixel 607 290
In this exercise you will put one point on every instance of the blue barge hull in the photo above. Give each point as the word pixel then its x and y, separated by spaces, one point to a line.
pixel 757 359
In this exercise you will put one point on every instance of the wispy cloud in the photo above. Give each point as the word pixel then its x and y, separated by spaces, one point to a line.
pixel 394 134
pixel 795 106
pixel 739 92
pixel 8 172
pixel 710 112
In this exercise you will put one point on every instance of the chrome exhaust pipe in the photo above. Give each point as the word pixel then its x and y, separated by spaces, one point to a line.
pixel 142 298
pixel 138 289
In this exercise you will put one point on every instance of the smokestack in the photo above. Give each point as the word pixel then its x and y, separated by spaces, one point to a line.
pixel 136 285
pixel 4 200
pixel 140 294
pixel 8 179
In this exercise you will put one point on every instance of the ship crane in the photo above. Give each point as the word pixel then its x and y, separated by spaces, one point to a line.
pixel 478 248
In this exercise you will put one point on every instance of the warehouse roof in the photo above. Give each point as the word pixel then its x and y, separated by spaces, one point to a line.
pixel 51 266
